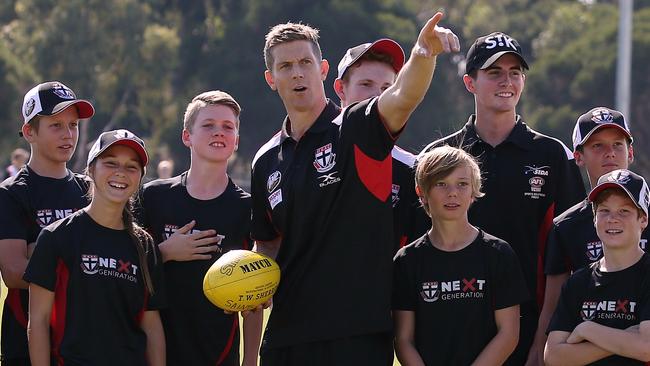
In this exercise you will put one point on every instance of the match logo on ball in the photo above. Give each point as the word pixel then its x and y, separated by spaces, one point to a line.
pixel 241 280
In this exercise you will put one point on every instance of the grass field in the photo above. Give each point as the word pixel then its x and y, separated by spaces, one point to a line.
pixel 241 352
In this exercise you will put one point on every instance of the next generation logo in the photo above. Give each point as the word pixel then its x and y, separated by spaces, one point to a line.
pixel 47 216
pixel 609 309
pixel 452 290
pixel 109 267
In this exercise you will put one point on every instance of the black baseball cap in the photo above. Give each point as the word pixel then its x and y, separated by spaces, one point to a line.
pixel 118 137
pixel 383 46
pixel 631 183
pixel 596 119
pixel 52 97
pixel 487 49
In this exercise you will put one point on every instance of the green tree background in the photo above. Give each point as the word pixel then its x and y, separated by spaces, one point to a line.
pixel 141 61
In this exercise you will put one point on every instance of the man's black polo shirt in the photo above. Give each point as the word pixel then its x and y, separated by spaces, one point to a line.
pixel 409 218
pixel 328 196
pixel 573 243
pixel 528 179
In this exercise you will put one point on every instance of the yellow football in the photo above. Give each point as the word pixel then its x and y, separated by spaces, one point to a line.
pixel 241 280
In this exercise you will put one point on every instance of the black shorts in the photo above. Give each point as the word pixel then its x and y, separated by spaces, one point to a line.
pixel 369 349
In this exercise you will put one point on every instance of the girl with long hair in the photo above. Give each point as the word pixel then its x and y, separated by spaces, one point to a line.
pixel 95 279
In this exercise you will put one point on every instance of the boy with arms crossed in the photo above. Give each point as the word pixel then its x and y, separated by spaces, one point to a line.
pixel 602 142
pixel 42 192
pixel 603 314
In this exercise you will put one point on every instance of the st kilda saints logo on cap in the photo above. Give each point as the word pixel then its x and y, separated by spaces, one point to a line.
pixel 620 176
pixel 501 40
pixel 29 106
pixel 602 115
pixel 62 91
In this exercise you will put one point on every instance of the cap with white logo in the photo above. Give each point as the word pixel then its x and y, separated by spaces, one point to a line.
pixel 50 98
pixel 382 46
pixel 486 50
pixel 631 183
pixel 594 120
pixel 118 137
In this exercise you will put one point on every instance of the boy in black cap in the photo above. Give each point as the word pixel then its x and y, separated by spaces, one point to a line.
pixel 603 315
pixel 528 177
pixel 365 72
pixel 602 142
pixel 42 192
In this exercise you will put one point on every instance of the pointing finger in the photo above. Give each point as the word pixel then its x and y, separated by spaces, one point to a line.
pixel 432 22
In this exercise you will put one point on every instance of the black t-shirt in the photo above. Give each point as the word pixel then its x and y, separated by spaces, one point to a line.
pixel 618 300
pixel 528 179
pixel 573 243
pixel 454 295
pixel 197 332
pixel 328 196
pixel 409 219
pixel 29 202
pixel 100 296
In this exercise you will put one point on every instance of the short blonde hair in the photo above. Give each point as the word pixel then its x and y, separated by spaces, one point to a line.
pixel 289 32
pixel 439 163
pixel 213 97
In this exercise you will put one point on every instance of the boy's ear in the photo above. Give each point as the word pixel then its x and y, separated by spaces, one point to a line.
pixel 644 220
pixel 577 156
pixel 185 137
pixel 28 132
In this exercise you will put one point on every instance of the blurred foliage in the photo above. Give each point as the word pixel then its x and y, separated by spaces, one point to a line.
pixel 141 61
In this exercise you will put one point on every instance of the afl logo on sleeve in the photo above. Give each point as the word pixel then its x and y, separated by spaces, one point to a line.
pixel 325 159
pixel 395 194
pixel 274 181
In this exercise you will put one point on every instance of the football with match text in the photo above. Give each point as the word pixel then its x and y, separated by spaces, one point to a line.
pixel 241 280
